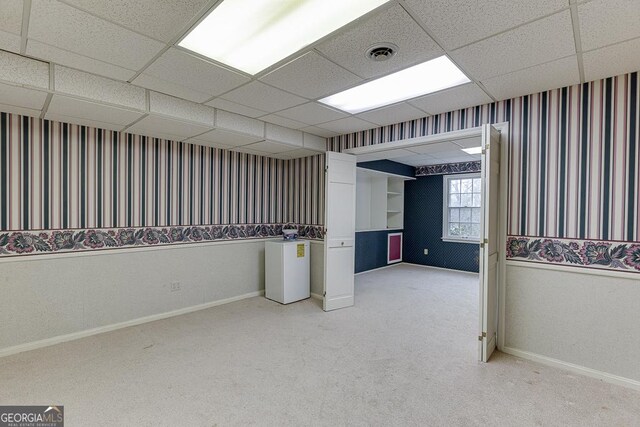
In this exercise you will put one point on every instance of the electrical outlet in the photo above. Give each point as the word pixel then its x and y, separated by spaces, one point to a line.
pixel 426 251
pixel 175 286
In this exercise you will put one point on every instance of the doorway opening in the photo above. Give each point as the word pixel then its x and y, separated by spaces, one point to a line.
pixel 473 210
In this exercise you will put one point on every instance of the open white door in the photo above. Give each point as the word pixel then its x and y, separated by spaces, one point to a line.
pixel 340 225
pixel 489 242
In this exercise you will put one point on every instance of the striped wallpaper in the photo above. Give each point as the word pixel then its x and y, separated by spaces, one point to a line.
pixel 58 176
pixel 573 159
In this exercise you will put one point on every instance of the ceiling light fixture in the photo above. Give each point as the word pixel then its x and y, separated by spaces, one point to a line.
pixel 473 150
pixel 252 35
pixel 421 79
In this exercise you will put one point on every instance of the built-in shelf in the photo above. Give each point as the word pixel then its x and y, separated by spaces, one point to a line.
pixel 379 200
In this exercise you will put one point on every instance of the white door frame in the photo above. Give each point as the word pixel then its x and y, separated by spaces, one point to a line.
pixel 504 130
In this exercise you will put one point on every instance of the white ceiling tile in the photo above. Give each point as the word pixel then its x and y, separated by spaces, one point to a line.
pixel 312 113
pixel 239 124
pixel 612 60
pixel 283 134
pixel 283 121
pixel 232 107
pixel 414 160
pixel 74 60
pixel 196 141
pixel 182 68
pixel 605 22
pixel 11 16
pixel 295 154
pixel 347 125
pixel 161 19
pixel 181 109
pixel 439 147
pixel 474 141
pixel 159 85
pixel 555 74
pixel 84 122
pixel 459 22
pixel 79 83
pixel 24 71
pixel 270 147
pixel 63 26
pixel 392 25
pixel 162 127
pixel 532 44
pixel 314 142
pixel 10 42
pixel 22 97
pixel 325 133
pixel 223 138
pixel 311 76
pixel 5 108
pixel 463 96
pixel 87 112
pixel 245 149
pixel 263 97
pixel 397 113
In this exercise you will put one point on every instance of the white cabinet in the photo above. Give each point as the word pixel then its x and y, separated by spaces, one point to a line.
pixel 379 200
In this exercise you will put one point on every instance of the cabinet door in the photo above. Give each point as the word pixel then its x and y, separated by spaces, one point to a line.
pixel 394 248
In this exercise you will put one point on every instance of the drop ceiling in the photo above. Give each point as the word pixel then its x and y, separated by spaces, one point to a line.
pixel 117 65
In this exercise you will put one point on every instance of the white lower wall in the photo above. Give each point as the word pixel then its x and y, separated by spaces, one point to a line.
pixel 47 296
pixel 578 317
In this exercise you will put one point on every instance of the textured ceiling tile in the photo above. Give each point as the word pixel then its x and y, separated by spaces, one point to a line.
pixel 11 16
pixel 70 59
pixel 25 71
pixel 392 25
pixel 223 104
pixel 604 22
pixel 612 61
pixel 221 137
pixel 263 97
pixel 464 96
pixel 10 42
pixel 311 76
pixel 161 19
pixel 181 109
pixel 74 82
pixel 312 113
pixel 270 147
pixel 283 134
pixel 63 26
pixel 459 22
pixel 347 125
pixel 162 127
pixel 520 48
pixel 90 111
pixel 181 68
pixel 22 97
pixel 314 142
pixel 240 124
pixel 325 133
pixel 392 114
pixel 560 73
pixel 164 86
pixel 283 121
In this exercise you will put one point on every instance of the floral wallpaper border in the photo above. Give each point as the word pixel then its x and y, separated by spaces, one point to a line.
pixel 16 243
pixel 615 256
pixel 448 168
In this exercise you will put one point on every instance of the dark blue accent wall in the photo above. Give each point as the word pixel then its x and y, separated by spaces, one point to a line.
pixel 371 249
pixel 423 229
pixel 389 166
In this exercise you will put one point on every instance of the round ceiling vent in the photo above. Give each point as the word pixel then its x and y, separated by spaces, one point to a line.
pixel 382 51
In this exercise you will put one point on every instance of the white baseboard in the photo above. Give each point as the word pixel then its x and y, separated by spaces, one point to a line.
pixel 95 331
pixel 582 370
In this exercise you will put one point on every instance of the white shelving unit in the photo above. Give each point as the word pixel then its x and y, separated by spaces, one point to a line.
pixel 379 200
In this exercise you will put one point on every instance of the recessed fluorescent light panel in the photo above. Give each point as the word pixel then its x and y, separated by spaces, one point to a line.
pixel 421 79
pixel 473 150
pixel 251 35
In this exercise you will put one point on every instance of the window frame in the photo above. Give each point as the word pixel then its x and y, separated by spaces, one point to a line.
pixel 445 208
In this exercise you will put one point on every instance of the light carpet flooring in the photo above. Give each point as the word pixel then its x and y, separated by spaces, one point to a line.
pixel 404 355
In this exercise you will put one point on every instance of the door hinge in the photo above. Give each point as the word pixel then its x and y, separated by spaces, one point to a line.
pixel 326 168
pixel 484 335
pixel 324 294
pixel 479 337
